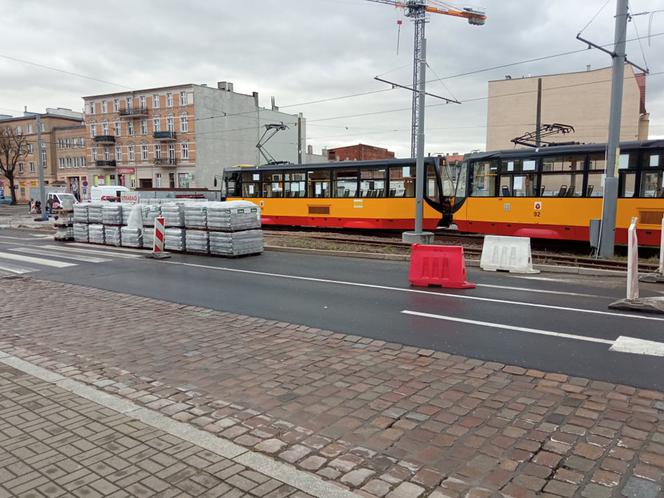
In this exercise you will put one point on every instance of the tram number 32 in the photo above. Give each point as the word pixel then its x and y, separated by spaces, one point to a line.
pixel 537 209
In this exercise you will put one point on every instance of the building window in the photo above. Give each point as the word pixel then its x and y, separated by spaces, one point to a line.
pixel 20 168
pixel 30 148
pixel 141 102
pixel 104 127
pixel 183 180
pixel 107 153
pixel 157 151
pixel 116 125
pixel 61 163
pixel 94 153
pixel 29 128
pixel 104 107
pixel 171 151
pixel 19 130
pixel 43 154
pixel 184 123
pixel 183 98
pixel 157 180
pixel 32 167
pixel 42 127
pixel 144 127
pixel 93 130
pixel 130 128
pixel 92 108
pixel 130 152
pixel 156 123
pixel 170 126
pixel 118 153
pixel 155 101
pixel 116 105
pixel 144 152
pixel 130 103
pixel 184 150
pixel 169 100
pixel 69 162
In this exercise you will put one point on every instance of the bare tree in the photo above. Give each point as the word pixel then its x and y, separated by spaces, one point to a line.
pixel 13 148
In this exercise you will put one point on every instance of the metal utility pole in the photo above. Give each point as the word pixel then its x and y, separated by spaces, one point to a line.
pixel 40 169
pixel 299 138
pixel 538 119
pixel 608 230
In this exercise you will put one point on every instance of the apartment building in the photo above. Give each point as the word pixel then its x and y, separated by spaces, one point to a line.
pixel 359 152
pixel 181 136
pixel 71 157
pixel 579 99
pixel 53 122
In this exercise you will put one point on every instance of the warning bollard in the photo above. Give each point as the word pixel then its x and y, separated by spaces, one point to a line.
pixel 442 266
pixel 658 276
pixel 159 235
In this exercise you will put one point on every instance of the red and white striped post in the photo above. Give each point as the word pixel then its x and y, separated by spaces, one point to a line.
pixel 159 235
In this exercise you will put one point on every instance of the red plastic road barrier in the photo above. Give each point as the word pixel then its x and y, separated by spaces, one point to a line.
pixel 443 266
pixel 159 228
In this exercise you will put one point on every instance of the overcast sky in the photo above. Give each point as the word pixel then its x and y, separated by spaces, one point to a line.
pixel 306 50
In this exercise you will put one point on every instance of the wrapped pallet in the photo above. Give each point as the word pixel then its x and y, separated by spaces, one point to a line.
pixel 131 237
pixel 81 212
pixel 233 215
pixel 112 235
pixel 81 232
pixel 197 241
pixel 132 234
pixel 148 238
pixel 174 239
pixel 195 214
pixel 236 243
pixel 96 233
pixel 173 213
pixel 111 213
pixel 95 213
pixel 126 211
pixel 150 212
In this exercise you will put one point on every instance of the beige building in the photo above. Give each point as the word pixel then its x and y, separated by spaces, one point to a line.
pixel 71 158
pixel 53 121
pixel 580 100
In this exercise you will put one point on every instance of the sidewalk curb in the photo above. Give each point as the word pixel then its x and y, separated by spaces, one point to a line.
pixel 305 482
pixel 473 263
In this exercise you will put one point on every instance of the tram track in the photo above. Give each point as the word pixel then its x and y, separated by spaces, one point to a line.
pixel 472 247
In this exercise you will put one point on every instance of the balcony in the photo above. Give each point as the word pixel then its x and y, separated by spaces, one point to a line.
pixel 105 164
pixel 166 161
pixel 104 139
pixel 164 136
pixel 134 112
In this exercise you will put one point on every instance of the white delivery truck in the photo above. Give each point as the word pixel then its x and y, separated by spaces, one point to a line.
pixel 111 193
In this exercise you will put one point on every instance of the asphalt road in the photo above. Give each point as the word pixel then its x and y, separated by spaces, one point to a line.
pixel 547 322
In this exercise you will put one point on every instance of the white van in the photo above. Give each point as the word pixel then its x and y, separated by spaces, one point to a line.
pixel 62 200
pixel 109 193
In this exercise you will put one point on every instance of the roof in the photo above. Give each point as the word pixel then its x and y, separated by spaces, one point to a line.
pixel 532 76
pixel 563 149
pixel 126 92
pixel 44 116
pixel 334 165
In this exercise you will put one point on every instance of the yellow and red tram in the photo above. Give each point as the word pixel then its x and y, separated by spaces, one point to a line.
pixel 549 193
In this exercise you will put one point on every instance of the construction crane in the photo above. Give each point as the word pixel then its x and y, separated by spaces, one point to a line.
pixel 417 10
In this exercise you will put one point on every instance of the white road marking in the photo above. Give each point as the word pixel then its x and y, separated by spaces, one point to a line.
pixel 508 327
pixel 114 248
pixel 637 346
pixel 541 291
pixel 24 239
pixel 620 345
pixel 98 252
pixel 18 270
pixel 75 257
pixel 37 261
pixel 415 291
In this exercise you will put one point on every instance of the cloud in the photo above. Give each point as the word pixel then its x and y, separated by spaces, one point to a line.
pixel 304 50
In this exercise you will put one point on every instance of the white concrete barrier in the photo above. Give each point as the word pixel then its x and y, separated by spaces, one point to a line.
pixel 510 254
pixel 632 262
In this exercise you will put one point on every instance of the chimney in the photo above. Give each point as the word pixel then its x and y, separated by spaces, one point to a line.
pixel 587 67
pixel 226 86
pixel 274 105
pixel 310 149
pixel 255 95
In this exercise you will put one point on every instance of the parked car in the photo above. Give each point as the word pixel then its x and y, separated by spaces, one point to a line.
pixel 5 200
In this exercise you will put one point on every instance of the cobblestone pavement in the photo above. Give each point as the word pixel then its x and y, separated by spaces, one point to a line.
pixel 54 443
pixel 380 418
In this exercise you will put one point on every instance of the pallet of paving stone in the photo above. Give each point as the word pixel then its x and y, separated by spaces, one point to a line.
pixel 112 235
pixel 96 233
pixel 236 243
pixel 95 213
pixel 174 240
pixel 173 213
pixel 195 215
pixel 232 216
pixel 197 241
pixel 81 212
pixel 148 238
pixel 131 237
pixel 150 212
pixel 111 213
pixel 81 232
pixel 64 232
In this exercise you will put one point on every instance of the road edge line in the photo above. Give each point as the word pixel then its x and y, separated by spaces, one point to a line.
pixel 253 460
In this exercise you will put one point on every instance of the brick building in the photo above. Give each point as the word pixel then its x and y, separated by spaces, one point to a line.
pixel 53 123
pixel 359 152
pixel 71 157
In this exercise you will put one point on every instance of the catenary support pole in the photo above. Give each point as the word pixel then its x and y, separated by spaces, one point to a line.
pixel 608 228
pixel 40 169
pixel 538 118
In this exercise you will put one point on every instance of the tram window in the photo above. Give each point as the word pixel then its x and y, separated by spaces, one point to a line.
pixel 517 165
pixel 652 184
pixel 627 185
pixel 319 183
pixel 596 185
pixel 518 185
pixel 272 185
pixel 295 184
pixel 345 182
pixel 561 185
pixel 402 182
pixel 484 179
pixel 563 164
pixel 372 182
pixel 251 185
